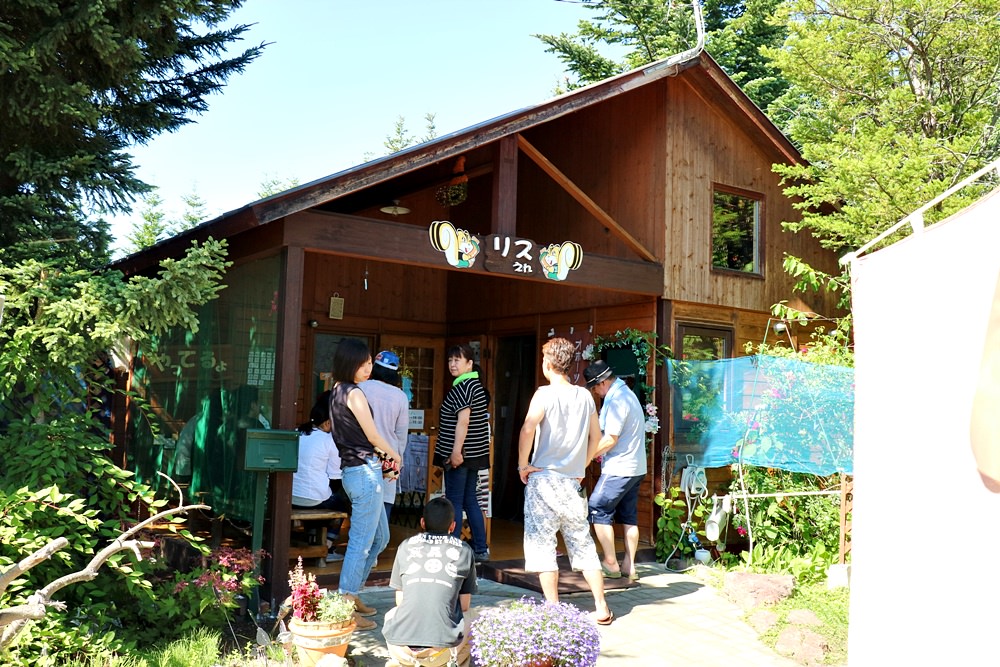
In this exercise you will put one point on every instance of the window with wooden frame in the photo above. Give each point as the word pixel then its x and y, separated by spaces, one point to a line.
pixel 703 383
pixel 736 230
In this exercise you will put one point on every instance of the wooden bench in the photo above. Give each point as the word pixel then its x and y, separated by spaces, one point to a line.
pixel 325 519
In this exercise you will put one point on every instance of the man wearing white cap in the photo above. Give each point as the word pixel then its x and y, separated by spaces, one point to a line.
pixel 391 411
pixel 622 449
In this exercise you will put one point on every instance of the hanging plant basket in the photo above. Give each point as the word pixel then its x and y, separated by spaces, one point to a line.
pixel 452 194
pixel 457 189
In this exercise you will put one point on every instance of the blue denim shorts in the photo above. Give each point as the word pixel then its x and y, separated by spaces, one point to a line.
pixel 615 500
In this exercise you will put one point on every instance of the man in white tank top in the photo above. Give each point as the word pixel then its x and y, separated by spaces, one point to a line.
pixel 564 419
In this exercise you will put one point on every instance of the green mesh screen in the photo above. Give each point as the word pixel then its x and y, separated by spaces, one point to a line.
pixel 766 411
pixel 205 389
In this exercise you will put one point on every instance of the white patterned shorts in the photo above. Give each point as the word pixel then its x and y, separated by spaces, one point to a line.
pixel 553 504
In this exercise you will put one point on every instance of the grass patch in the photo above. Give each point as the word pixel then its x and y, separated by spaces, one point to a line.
pixel 830 607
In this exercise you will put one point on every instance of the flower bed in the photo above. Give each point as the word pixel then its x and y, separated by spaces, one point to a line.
pixel 530 632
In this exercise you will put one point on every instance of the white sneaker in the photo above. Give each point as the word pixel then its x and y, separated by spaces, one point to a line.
pixel 333 557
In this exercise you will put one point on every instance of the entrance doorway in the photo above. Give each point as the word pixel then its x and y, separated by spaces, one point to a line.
pixel 516 361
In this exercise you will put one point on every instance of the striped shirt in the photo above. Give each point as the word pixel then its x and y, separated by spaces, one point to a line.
pixel 476 448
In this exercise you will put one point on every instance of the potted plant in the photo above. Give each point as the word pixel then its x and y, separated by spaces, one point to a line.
pixel 322 621
pixel 530 633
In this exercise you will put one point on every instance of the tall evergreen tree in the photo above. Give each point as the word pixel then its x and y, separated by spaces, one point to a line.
pixel 81 81
pixel 648 30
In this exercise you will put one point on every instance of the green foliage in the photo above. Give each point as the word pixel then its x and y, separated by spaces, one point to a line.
pixel 791 534
pixel 401 138
pixel 198 647
pixel 202 594
pixel 56 383
pixel 891 103
pixel 335 608
pixel 643 346
pixel 156 226
pixel 272 186
pixel 674 526
pixel 648 30
pixel 81 82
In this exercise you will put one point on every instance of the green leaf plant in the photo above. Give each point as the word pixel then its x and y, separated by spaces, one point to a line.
pixel 63 339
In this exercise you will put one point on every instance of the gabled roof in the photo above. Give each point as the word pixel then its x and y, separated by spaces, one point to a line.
pixel 695 67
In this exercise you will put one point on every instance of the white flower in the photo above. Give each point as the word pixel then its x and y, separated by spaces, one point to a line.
pixel 588 352
pixel 653 425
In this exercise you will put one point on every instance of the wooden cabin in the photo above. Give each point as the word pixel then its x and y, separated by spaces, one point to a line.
pixel 652 190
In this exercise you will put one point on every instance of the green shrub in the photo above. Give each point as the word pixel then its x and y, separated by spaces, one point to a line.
pixel 673 532
pixel 799 535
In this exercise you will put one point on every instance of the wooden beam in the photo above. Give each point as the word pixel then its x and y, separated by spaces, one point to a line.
pixel 579 195
pixel 286 369
pixel 383 240
pixel 505 188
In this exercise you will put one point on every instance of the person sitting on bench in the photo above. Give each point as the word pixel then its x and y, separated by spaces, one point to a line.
pixel 319 463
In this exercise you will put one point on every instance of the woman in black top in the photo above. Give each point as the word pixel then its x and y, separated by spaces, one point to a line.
pixel 353 429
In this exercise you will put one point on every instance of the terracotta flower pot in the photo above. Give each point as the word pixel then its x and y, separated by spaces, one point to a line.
pixel 314 639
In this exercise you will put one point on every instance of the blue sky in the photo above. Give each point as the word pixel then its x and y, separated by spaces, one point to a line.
pixel 338 74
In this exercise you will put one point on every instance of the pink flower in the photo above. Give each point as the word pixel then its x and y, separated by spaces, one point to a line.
pixel 741 530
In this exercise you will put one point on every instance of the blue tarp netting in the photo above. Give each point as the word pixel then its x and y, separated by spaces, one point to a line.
pixel 765 411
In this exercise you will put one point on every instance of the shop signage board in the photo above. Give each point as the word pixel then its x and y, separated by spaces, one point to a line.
pixel 505 254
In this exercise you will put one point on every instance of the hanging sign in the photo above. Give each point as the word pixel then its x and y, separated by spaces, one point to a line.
pixel 460 247
pixel 505 254
pixel 508 254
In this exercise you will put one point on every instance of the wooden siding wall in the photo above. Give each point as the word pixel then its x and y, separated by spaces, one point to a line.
pixel 609 152
pixel 399 300
pixel 476 297
pixel 709 150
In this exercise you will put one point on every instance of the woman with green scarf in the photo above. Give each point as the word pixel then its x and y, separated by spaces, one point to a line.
pixel 463 444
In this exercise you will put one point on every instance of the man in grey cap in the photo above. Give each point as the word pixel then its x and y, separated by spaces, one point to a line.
pixel 622 449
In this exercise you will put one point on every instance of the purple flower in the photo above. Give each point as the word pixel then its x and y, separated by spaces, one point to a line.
pixel 529 631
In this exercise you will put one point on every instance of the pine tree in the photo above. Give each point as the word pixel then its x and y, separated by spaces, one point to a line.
pixel 649 30
pixel 81 81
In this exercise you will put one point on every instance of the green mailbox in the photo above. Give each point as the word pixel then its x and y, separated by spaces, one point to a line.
pixel 270 450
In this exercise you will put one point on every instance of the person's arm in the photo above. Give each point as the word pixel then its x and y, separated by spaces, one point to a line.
pixel 461 430
pixel 606 444
pixel 465 599
pixel 399 598
pixel 402 425
pixel 594 442
pixel 526 439
pixel 358 404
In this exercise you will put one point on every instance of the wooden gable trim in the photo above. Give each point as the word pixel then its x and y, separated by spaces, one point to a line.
pixel 396 242
pixel 580 196
pixel 389 167
pixel 724 97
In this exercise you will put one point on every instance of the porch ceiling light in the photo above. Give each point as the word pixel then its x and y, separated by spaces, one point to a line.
pixel 395 209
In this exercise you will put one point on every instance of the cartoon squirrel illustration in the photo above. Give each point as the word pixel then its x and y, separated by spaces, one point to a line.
pixel 558 259
pixel 460 247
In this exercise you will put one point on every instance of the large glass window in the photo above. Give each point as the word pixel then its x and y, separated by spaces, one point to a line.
pixel 735 232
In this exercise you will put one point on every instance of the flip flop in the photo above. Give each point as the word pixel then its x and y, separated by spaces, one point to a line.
pixel 607 619
pixel 610 574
